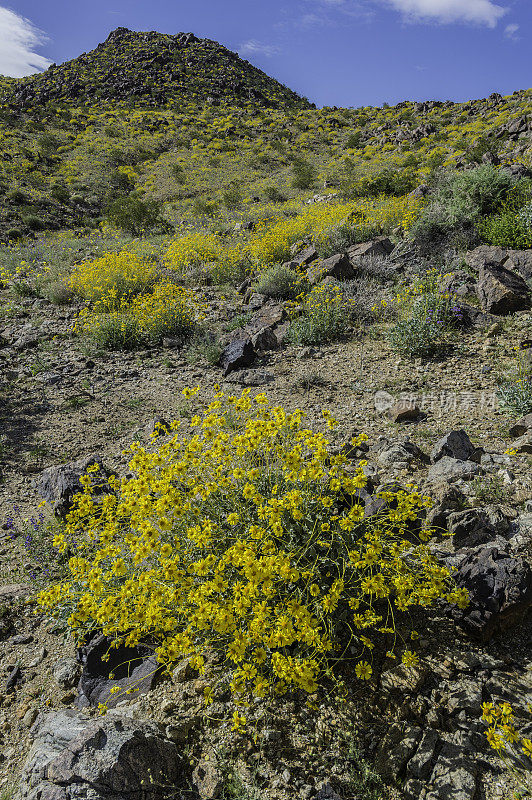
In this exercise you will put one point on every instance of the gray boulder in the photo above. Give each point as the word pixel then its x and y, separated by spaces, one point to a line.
pixel 499 585
pixel 132 668
pixel 471 526
pixel 501 291
pixel 448 469
pixel 522 426
pixel 338 266
pixel 107 758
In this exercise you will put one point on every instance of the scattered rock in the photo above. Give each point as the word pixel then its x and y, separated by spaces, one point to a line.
pixel 471 527
pixel 499 585
pixel 66 672
pixel 522 426
pixel 338 266
pixel 404 411
pixel 134 668
pixel 377 247
pixel 58 485
pixel 455 444
pixel 448 469
pixel 523 444
pixel 501 291
pixel 239 354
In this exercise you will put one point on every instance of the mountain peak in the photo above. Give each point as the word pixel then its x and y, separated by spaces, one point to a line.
pixel 155 69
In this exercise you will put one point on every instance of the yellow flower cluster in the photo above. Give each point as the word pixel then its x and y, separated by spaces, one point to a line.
pixel 502 734
pixel 197 249
pixel 169 310
pixel 112 277
pixel 245 535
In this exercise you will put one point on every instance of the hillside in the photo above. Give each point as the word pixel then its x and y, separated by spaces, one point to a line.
pixel 153 69
pixel 265 437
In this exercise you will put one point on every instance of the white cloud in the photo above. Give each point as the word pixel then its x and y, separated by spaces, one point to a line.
pixel 480 12
pixel 511 32
pixel 18 38
pixel 254 47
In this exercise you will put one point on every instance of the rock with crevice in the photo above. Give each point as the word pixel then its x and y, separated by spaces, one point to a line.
pixel 111 757
pixel 501 291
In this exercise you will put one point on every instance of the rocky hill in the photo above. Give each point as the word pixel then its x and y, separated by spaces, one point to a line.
pixel 155 69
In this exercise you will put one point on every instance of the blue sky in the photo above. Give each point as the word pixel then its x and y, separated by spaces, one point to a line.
pixel 335 52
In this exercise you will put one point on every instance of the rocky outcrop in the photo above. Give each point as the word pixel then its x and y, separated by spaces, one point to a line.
pixel 108 758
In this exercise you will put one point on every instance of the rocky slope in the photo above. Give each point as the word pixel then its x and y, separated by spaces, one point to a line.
pixel 154 69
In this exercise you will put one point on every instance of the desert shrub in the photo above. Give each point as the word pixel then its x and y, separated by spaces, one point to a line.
pixel 515 388
pixel 303 173
pixel 113 277
pixel 278 281
pixel 459 201
pixel 427 318
pixel 205 206
pixel 204 347
pixel 60 192
pixel 244 534
pixel 232 197
pixel 511 227
pixel 178 173
pixel 195 250
pixel 33 222
pixel 274 195
pixel 17 196
pixel 353 140
pixel 134 215
pixel 169 310
pixel 325 316
pixel 386 182
pixel 348 233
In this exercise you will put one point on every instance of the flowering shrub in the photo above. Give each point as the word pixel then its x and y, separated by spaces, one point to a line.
pixel 113 277
pixel 427 316
pixel 245 536
pixel 515 390
pixel 509 743
pixel 324 317
pixel 195 250
pixel 169 310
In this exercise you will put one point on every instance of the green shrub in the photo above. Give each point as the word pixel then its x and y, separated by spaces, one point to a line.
pixel 273 194
pixel 33 222
pixel 232 197
pixel 134 215
pixel 512 226
pixel 353 140
pixel 178 173
pixel 515 389
pixel 205 206
pixel 303 172
pixel 396 182
pixel 340 237
pixel 427 317
pixel 325 317
pixel 204 347
pixel 278 281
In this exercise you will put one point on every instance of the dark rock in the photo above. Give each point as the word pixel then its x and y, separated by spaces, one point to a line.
pixel 265 340
pixel 338 266
pixel 377 247
pixel 404 411
pixel 397 748
pixel 306 257
pixel 501 291
pixel 133 668
pixel 472 526
pixel 455 444
pixel 486 255
pixel 239 354
pixel 269 316
pixel 520 261
pixel 13 679
pixel 159 426
pixel 420 765
pixel 106 758
pixel 58 485
pixel 523 444
pixel 522 426
pixel 500 588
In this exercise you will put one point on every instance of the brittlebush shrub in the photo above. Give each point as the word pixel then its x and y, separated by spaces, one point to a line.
pixel 325 316
pixel 244 535
pixel 114 276
pixel 188 253
pixel 169 310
